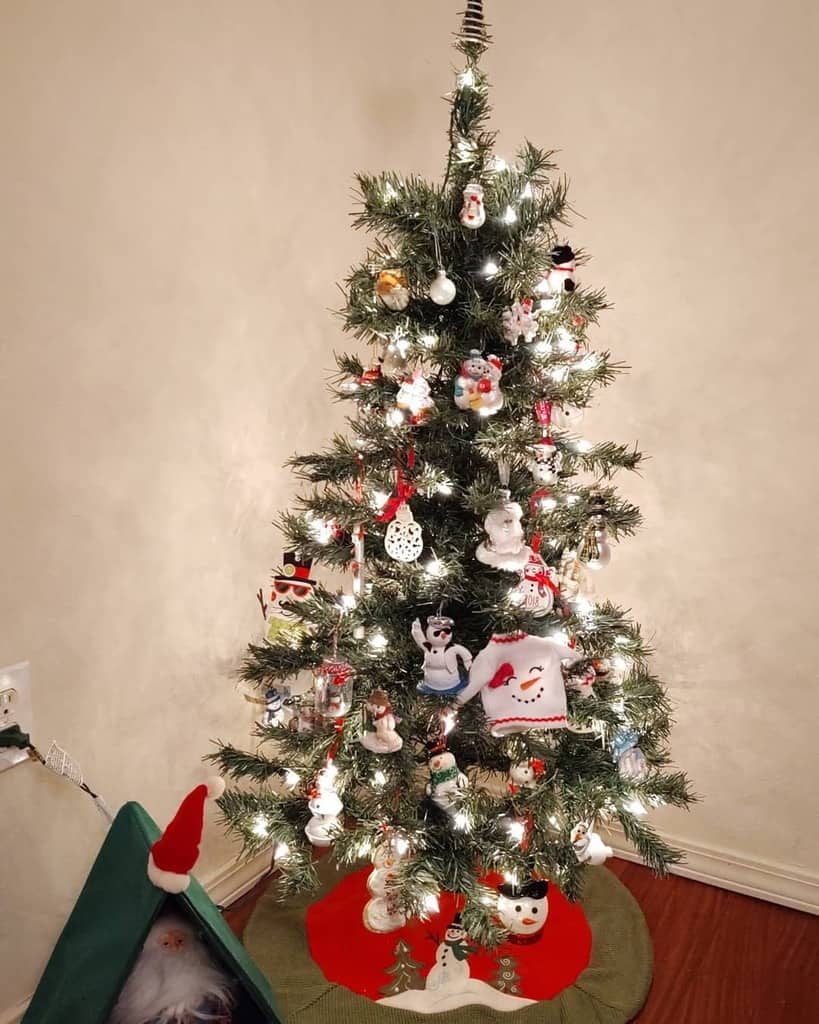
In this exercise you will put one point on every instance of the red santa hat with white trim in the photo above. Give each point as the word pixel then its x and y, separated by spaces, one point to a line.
pixel 173 856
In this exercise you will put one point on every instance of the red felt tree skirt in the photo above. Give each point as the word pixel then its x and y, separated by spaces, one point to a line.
pixel 350 955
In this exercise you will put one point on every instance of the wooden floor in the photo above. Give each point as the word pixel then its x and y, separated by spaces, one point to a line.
pixel 720 958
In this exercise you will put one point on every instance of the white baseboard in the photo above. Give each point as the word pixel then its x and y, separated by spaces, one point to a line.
pixel 788 886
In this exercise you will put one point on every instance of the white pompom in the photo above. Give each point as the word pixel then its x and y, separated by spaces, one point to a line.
pixel 216 786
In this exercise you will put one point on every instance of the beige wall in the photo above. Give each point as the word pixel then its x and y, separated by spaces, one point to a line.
pixel 175 192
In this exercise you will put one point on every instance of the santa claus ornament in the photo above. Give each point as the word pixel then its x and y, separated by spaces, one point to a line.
pixel 588 847
pixel 473 214
pixel 291 586
pixel 325 806
pixel 523 910
pixel 520 680
pixel 477 386
pixel 175 980
pixel 383 739
pixel 446 664
pixel 519 321
pixel 392 288
pixel 446 781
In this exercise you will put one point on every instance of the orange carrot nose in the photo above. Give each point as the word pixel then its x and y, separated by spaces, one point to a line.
pixel 529 682
pixel 528 920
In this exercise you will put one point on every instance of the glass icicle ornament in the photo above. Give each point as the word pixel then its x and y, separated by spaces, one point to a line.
pixel 595 552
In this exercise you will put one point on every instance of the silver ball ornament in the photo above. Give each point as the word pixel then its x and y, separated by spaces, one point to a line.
pixel 442 289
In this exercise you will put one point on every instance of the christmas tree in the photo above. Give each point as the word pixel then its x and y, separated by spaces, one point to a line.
pixel 475 707
pixel 404 972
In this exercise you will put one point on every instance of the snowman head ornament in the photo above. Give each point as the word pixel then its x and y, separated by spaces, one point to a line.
pixel 523 910
pixel 292 585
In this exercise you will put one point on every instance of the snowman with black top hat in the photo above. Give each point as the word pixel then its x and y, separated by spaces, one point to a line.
pixel 451 969
pixel 523 909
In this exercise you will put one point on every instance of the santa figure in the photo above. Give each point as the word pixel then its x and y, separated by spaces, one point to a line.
pixel 384 740
pixel 523 910
pixel 520 680
pixel 505 546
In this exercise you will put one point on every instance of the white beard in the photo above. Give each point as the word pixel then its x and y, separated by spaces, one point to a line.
pixel 164 986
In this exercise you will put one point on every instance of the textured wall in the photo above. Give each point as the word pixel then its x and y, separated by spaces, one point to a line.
pixel 174 201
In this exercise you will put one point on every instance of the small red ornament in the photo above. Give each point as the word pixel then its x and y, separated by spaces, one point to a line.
pixel 484 386
pixel 578 320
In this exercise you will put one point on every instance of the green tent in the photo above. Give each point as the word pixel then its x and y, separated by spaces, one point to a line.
pixel 108 925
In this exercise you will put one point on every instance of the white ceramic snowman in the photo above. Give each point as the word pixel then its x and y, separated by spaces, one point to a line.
pixel 446 664
pixel 383 912
pixel 403 539
pixel 451 967
pixel 520 680
pixel 545 462
pixel 446 781
pixel 523 910
pixel 473 212
pixel 589 848
pixel 538 588
pixel 325 806
pixel 566 417
pixel 506 546
pixel 477 386
pixel 524 774
pixel 519 322
pixel 383 739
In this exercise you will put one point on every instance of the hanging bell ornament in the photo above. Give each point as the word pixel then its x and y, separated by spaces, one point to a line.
pixel 595 552
pixel 442 289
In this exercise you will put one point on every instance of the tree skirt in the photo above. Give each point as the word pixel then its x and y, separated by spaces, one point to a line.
pixel 592 963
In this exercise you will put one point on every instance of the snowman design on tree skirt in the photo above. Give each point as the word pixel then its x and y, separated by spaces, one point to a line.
pixel 520 680
pixel 506 546
pixel 446 664
pixel 446 781
pixel 451 969
pixel 384 739
pixel 325 806
pixel 523 910
pixel 589 848
pixel 477 387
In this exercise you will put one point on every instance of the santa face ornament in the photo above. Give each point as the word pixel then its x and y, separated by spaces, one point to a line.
pixel 523 910
pixel 520 680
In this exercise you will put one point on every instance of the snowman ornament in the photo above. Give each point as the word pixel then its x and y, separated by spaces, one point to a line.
pixel 588 847
pixel 523 910
pixel 446 781
pixel 506 547
pixel 403 539
pixel 560 278
pixel 520 680
pixel 545 461
pixel 538 590
pixel 383 912
pixel 383 739
pixel 473 212
pixel 477 386
pixel 524 774
pixel 325 806
pixel 519 321
pixel 446 664
pixel 451 967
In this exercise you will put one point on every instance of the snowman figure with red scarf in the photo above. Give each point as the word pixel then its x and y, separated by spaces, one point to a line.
pixel 520 680
pixel 538 590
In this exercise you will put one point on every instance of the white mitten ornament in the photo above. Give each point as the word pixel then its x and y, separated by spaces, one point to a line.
pixel 473 214
pixel 403 539
pixel 477 387
pixel 506 547
pixel 520 680
pixel 589 848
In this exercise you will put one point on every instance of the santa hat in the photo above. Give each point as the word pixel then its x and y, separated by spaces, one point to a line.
pixel 174 855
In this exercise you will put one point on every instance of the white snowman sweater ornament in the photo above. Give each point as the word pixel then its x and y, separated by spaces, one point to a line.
pixel 519 321
pixel 523 910
pixel 446 781
pixel 520 680
pixel 451 969
pixel 325 806
pixel 477 386
pixel 506 547
pixel 589 848
pixel 446 664
pixel 473 213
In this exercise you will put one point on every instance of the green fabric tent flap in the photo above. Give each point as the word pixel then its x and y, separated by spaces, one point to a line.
pixel 108 925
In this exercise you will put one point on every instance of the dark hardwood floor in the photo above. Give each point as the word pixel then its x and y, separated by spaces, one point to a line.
pixel 720 958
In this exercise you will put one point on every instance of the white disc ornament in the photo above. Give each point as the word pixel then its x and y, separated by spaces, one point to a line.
pixel 442 289
pixel 506 547
pixel 404 540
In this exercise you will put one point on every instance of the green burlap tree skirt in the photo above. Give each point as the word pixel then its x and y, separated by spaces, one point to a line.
pixel 611 990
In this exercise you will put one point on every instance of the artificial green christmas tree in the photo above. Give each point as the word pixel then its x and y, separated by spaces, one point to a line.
pixel 476 707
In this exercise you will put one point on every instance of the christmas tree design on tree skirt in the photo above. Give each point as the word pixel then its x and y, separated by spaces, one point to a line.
pixel 477 705
pixel 404 971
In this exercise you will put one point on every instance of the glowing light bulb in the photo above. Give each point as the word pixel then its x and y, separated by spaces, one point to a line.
pixel 572 499
pixel 394 418
pixel 291 778
pixel 515 597
pixel 429 340
pixel 444 487
pixel 379 499
pixel 435 568
pixel 589 362
pixel 560 636
pixel 566 341
pixel 547 503
pixel 510 877
pixel 448 718
pixel 320 529
pixel 583 445
pixel 509 215
pixel 526 192
pixel 259 827
pixel 282 852
pixel 516 830
pixel 559 374
pixel 635 807
pixel 347 602
pixel 542 346
pixel 401 846
pixel 499 164
pixel 466 79
pixel 379 779
pixel 622 640
pixel 389 192
pixel 461 822
pixel 378 642
pixel 490 268
pixel 553 821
